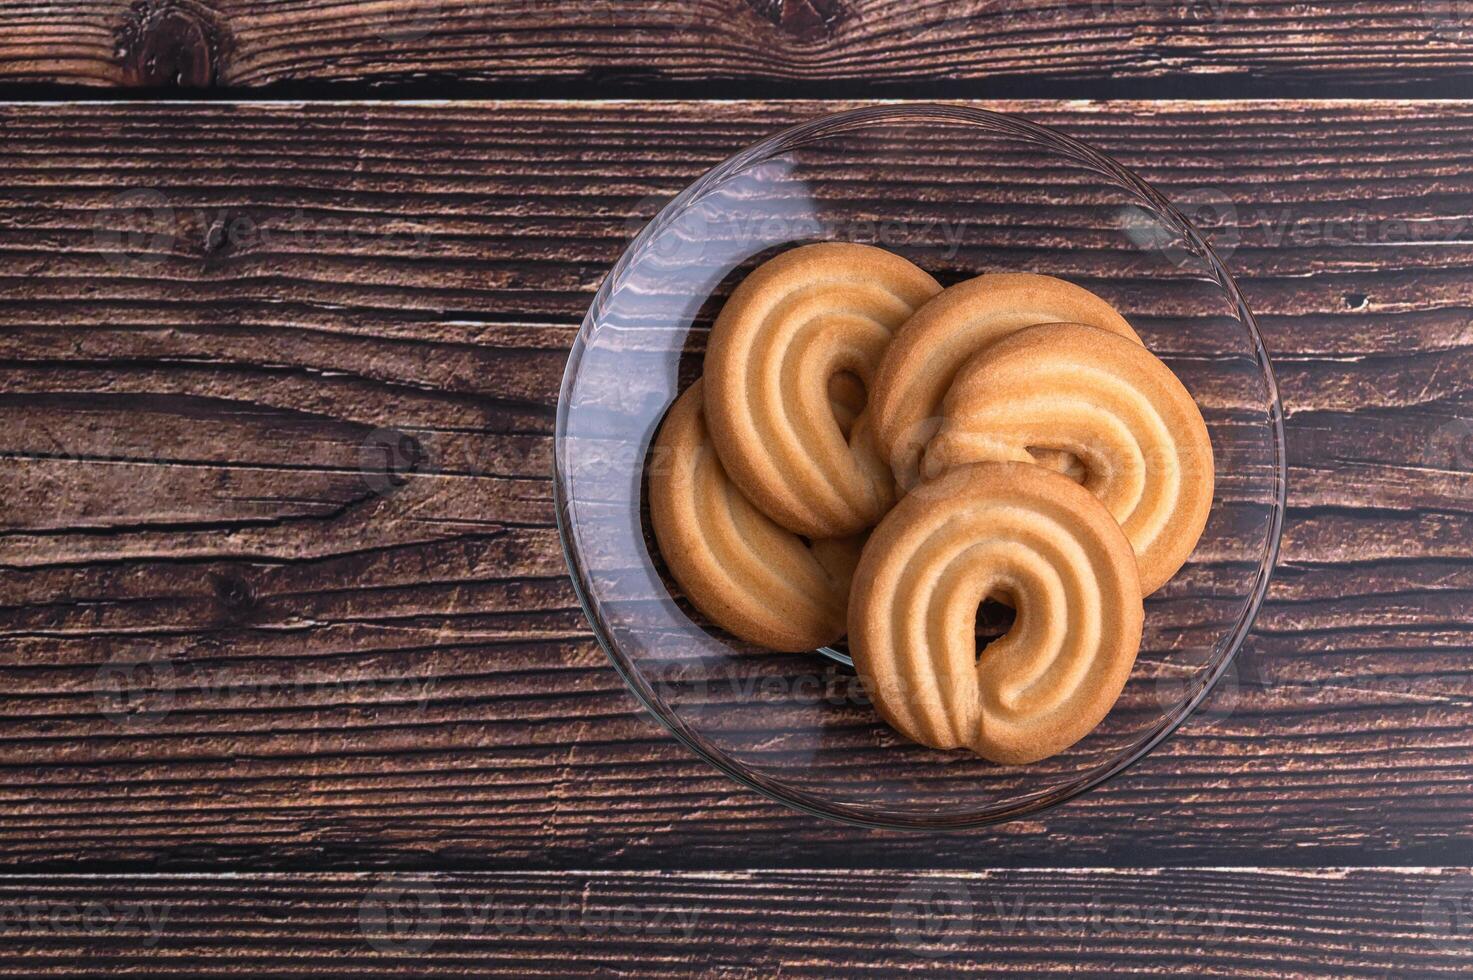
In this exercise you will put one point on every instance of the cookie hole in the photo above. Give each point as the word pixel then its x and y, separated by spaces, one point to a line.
pixel 993 622
pixel 848 397
pixel 1060 462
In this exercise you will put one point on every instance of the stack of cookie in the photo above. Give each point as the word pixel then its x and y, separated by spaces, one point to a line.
pixel 870 454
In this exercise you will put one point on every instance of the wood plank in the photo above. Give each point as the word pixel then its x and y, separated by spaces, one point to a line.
pixel 229 635
pixel 1238 922
pixel 785 47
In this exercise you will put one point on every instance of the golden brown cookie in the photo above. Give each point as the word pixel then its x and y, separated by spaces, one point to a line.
pixel 753 578
pixel 796 322
pixel 1107 401
pixel 1012 530
pixel 920 363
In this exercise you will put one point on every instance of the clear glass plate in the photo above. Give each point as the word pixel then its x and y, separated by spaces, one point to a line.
pixel 960 192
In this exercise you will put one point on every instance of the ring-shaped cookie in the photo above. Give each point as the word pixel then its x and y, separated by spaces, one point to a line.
pixel 751 577
pixel 1107 401
pixel 920 363
pixel 794 323
pixel 1012 530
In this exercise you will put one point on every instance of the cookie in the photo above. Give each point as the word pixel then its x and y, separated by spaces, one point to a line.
pixel 920 363
pixel 1109 402
pixel 746 574
pixel 1011 530
pixel 793 324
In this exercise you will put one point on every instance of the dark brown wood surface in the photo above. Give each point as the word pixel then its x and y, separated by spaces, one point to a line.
pixel 1154 48
pixel 231 644
pixel 1236 923
pixel 222 644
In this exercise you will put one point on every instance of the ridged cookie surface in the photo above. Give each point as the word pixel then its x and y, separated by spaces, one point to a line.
pixel 920 363
pixel 1107 401
pixel 793 324
pixel 753 578
pixel 1016 530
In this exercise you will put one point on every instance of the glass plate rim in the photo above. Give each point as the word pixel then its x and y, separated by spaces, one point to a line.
pixel 880 818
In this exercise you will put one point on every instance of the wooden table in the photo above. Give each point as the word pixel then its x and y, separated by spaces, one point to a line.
pixel 265 719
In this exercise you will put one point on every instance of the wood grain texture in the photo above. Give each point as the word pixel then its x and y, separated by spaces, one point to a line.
pixel 1227 922
pixel 788 46
pixel 280 577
